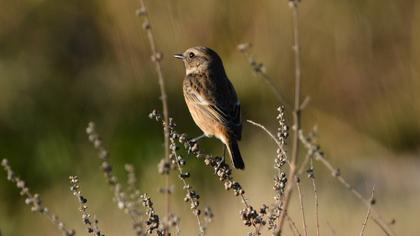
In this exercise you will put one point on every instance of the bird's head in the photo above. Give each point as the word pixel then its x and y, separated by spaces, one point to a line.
pixel 200 59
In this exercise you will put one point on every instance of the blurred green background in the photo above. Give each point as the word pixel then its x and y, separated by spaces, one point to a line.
pixel 65 63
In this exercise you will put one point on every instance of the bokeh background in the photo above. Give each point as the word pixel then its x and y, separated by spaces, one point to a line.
pixel 64 63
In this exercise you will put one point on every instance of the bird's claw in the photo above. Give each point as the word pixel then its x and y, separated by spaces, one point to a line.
pixel 220 162
pixel 194 140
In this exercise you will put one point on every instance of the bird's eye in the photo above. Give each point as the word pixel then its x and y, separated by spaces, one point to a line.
pixel 191 55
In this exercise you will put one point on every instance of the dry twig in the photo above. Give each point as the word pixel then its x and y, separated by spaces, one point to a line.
pixel 293 224
pixel 153 220
pixel 311 175
pixel 296 116
pixel 259 70
pixel 192 196
pixel 91 223
pixel 319 156
pixel 302 210
pixel 372 202
pixel 34 200
pixel 129 201
pixel 249 215
pixel 157 58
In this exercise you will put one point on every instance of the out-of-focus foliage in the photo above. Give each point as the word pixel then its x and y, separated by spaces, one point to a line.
pixel 64 63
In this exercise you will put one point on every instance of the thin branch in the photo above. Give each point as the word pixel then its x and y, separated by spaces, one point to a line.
pixel 191 195
pixel 90 221
pixel 259 70
pixel 134 203
pixel 34 200
pixel 279 145
pixel 157 57
pixel 372 202
pixel 249 215
pixel 291 228
pixel 311 175
pixel 128 201
pixel 302 211
pixel 296 114
pixel 153 220
pixel 302 167
pixel 319 156
pixel 265 130
pixel 293 224
pixel 280 179
pixel 305 102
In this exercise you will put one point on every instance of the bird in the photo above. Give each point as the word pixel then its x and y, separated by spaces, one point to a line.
pixel 212 100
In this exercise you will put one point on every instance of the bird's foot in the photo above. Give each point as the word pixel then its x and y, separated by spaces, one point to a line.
pixel 194 140
pixel 220 162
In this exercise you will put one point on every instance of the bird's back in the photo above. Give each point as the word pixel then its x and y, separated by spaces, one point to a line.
pixel 214 93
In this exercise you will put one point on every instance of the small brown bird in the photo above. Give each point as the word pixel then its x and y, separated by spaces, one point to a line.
pixel 212 100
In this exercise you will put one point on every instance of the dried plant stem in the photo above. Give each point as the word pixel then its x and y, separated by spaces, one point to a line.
pixel 265 130
pixel 127 201
pixel 280 179
pixel 153 220
pixel 319 156
pixel 312 177
pixel 376 217
pixel 291 229
pixel 279 145
pixel 177 161
pixel 249 210
pixel 249 215
pixel 302 167
pixel 259 70
pixel 293 224
pixel 91 223
pixel 34 200
pixel 296 115
pixel 134 203
pixel 302 210
pixel 372 201
pixel 187 187
pixel 157 58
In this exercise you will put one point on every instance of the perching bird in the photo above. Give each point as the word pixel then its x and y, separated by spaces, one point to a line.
pixel 212 100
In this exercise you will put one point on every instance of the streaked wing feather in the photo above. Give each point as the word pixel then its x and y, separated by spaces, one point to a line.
pixel 208 106
pixel 223 106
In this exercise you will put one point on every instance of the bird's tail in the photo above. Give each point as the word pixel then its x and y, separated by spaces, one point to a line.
pixel 235 154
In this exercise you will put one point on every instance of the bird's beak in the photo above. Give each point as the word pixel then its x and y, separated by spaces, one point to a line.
pixel 179 56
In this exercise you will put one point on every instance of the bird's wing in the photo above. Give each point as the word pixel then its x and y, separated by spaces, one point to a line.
pixel 233 106
pixel 219 103
pixel 201 99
